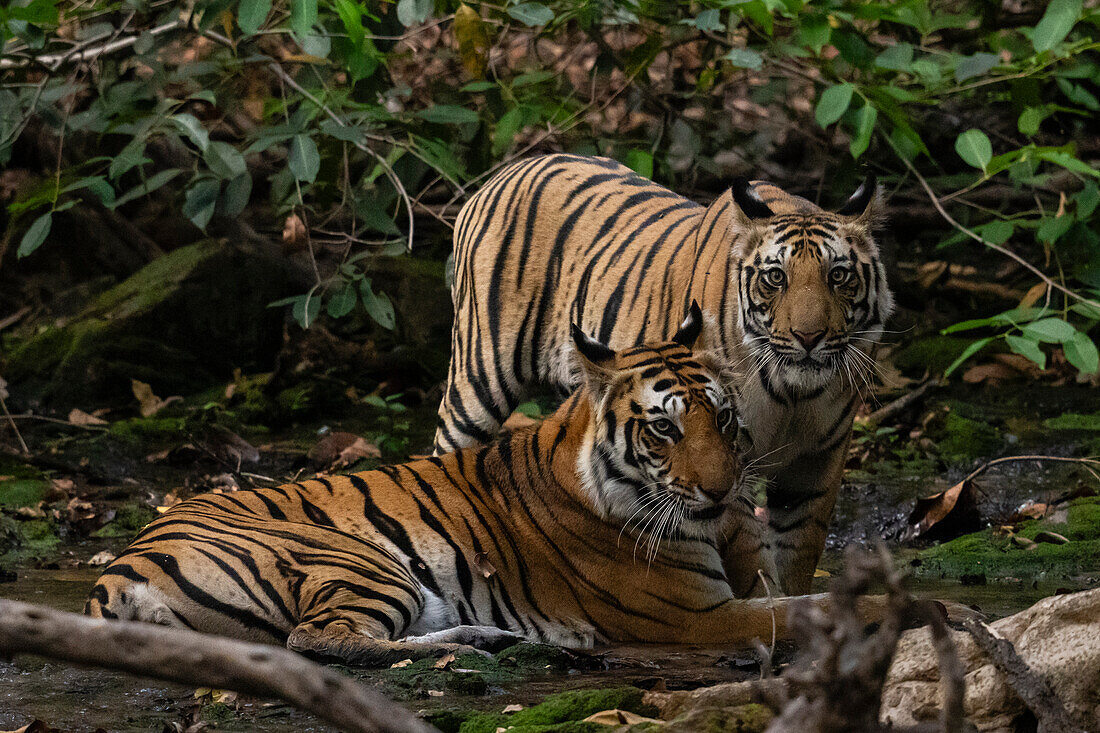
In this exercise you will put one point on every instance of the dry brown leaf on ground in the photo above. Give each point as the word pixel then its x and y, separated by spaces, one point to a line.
pixel 102 557
pixel 618 717
pixel 150 403
pixel 947 512
pixel 513 708
pixel 339 449
pixel 992 373
pixel 79 417
pixel 294 234
pixel 444 661
pixel 229 447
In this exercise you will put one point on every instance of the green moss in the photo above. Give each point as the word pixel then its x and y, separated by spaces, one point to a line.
pixel 218 712
pixel 964 439
pixel 1073 421
pixel 20 540
pixel 997 556
pixel 148 287
pixel 23 492
pixel 562 713
pixel 530 657
pixel 934 353
pixel 129 520
pixel 149 429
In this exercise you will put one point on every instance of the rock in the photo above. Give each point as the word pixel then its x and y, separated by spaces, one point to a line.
pixel 1058 637
pixel 181 323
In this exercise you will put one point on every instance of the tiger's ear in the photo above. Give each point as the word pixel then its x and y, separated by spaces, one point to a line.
pixel 748 203
pixel 597 358
pixel 863 205
pixel 691 327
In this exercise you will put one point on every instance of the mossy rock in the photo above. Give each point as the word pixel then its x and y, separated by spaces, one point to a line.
pixel 964 439
pixel 20 540
pixel 533 658
pixel 562 713
pixel 997 557
pixel 1074 421
pixel 181 323
pixel 469 674
pixel 145 430
pixel 129 520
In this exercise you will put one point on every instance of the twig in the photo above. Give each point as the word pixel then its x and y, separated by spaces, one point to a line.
pixel 1032 687
pixel 82 51
pixel 43 418
pixel 902 403
pixel 978 238
pixel 11 422
pixel 1056 459
pixel 191 658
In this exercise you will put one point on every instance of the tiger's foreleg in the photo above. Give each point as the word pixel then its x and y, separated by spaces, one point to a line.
pixel 473 407
pixel 801 499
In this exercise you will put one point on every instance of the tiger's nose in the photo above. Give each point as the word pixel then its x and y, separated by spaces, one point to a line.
pixel 809 339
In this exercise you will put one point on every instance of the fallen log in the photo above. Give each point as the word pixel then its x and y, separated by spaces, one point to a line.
pixel 202 660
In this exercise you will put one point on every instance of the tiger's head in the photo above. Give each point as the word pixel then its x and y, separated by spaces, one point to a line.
pixel 812 288
pixel 659 451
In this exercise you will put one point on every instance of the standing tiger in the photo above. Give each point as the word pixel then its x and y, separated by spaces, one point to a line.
pixel 599 524
pixel 798 294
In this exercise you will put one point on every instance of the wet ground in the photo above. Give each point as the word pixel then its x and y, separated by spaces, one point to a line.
pixel 889 471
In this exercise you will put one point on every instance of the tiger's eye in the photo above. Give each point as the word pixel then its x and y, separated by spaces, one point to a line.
pixel 725 419
pixel 839 275
pixel 775 277
pixel 662 427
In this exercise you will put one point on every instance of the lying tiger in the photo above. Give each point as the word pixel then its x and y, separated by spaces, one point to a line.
pixel 600 524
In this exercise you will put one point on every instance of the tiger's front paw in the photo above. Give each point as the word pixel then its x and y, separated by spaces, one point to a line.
pixel 474 638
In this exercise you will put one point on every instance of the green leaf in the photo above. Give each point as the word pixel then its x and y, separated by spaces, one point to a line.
pixel 192 128
pixel 236 195
pixel 996 232
pixel 814 32
pixel 304 161
pixel 131 155
pixel 532 14
pixel 35 235
pixel 251 15
pixel 968 352
pixel 976 65
pixel 707 20
pixel 306 309
pixel 641 162
pixel 974 147
pixel 478 86
pixel 374 216
pixel 351 15
pixel 1028 348
pixel 303 14
pixel 833 103
pixel 200 200
pixel 1087 199
pixel 1049 330
pixel 1069 162
pixel 1031 118
pixel 378 305
pixel 896 58
pixel 507 127
pixel 144 43
pixel 414 12
pixel 532 77
pixel 341 303
pixel 97 185
pixel 744 58
pixel 1081 352
pixel 152 183
pixel 1056 23
pixel 865 125
pixel 1051 228
pixel 448 114
pixel 224 160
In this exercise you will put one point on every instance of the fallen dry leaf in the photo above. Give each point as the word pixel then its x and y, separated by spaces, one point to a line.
pixel 444 661
pixel 101 558
pixel 1052 538
pixel 944 515
pixel 513 708
pixel 990 373
pixel 227 446
pixel 1038 290
pixel 435 693
pixel 618 717
pixel 170 500
pixel 339 449
pixel 1031 510
pixel 403 663
pixel 150 403
pixel 79 509
pixel 294 234
pixel 481 560
pixel 79 417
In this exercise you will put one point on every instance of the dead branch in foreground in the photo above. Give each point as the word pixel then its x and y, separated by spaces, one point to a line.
pixel 201 660
pixel 836 684
pixel 1032 688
